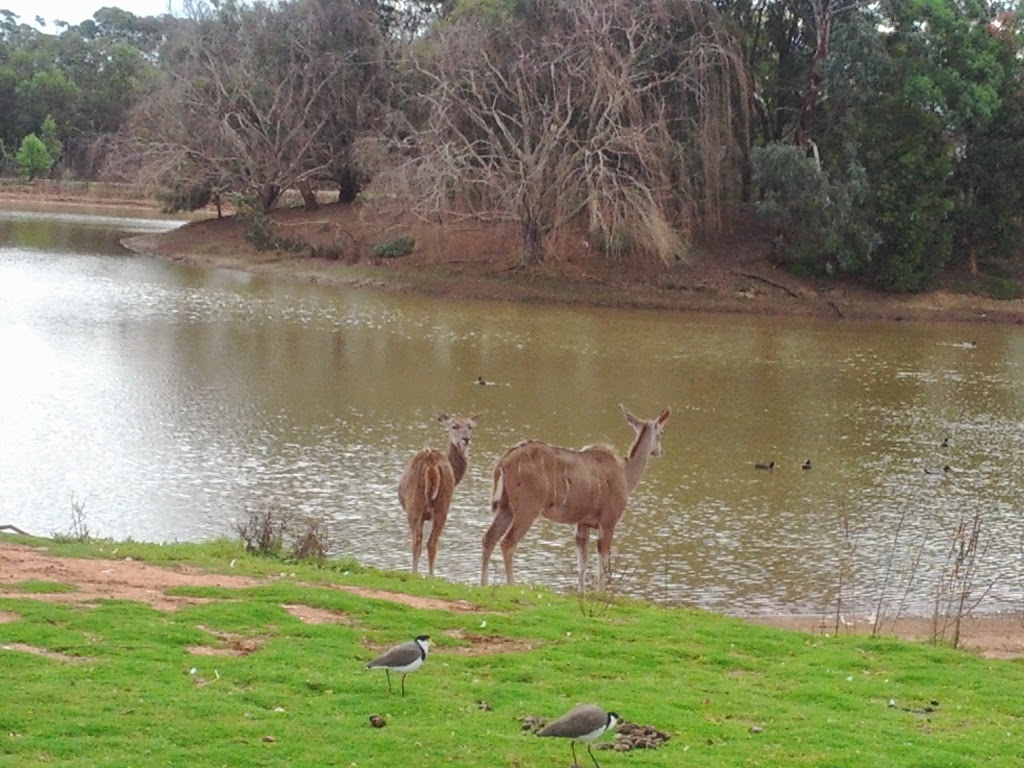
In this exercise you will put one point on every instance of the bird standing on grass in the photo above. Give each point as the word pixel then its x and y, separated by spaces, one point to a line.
pixel 585 723
pixel 404 658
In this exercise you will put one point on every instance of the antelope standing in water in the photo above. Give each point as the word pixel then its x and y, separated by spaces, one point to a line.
pixel 428 483
pixel 586 488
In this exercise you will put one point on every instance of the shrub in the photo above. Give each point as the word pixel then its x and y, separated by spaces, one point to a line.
pixel 822 227
pixel 263 530
pixel 313 542
pixel 33 157
pixel 400 246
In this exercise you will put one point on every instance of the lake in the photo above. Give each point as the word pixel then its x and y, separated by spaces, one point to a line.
pixel 167 402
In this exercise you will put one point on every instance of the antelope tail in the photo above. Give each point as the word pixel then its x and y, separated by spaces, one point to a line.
pixel 498 492
pixel 432 483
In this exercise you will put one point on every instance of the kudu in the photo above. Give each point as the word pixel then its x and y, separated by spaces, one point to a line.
pixel 428 483
pixel 587 488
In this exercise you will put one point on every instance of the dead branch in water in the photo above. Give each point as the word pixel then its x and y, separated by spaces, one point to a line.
pixel 772 283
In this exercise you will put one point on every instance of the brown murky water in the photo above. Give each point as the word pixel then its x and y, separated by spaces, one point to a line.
pixel 167 400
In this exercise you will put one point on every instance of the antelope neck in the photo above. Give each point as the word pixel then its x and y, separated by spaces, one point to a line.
pixel 636 459
pixel 458 461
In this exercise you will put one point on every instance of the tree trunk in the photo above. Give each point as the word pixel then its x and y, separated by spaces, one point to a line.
pixel 348 186
pixel 308 195
pixel 533 243
pixel 268 196
pixel 805 132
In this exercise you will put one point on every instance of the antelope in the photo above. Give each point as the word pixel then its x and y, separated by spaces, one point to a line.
pixel 586 488
pixel 428 482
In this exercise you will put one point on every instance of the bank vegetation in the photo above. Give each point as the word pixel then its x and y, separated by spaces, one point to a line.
pixel 878 142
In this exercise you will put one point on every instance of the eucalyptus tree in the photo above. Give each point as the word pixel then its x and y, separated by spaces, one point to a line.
pixel 903 98
pixel 618 117
pixel 913 85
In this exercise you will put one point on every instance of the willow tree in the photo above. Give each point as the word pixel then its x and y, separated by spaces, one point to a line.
pixel 622 116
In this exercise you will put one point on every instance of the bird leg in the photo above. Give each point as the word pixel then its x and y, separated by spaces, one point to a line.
pixel 403 684
pixel 388 673
pixel 592 756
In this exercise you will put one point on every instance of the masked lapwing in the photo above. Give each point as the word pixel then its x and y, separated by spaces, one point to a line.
pixel 586 723
pixel 404 658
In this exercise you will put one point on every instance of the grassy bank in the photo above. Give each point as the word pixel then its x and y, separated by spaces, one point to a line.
pixel 243 676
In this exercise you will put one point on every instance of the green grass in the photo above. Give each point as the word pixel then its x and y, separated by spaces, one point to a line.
pixel 122 685
pixel 38 587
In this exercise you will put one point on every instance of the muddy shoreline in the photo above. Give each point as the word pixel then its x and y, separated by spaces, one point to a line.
pixel 728 274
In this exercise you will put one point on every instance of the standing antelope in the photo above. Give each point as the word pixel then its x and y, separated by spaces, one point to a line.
pixel 429 481
pixel 588 488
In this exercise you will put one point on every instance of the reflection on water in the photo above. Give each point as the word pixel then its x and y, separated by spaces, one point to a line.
pixel 168 400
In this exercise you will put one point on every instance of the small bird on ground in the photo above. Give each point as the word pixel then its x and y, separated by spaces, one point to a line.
pixel 404 658
pixel 945 443
pixel 586 723
pixel 938 470
pixel 764 465
pixel 806 464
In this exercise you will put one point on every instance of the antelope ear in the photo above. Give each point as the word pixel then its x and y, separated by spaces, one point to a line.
pixel 634 422
pixel 664 415
pixel 474 418
pixel 442 416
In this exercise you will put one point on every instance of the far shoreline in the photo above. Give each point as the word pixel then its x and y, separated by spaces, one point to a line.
pixel 730 277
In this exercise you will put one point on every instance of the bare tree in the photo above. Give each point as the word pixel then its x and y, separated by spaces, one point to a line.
pixel 615 114
pixel 257 99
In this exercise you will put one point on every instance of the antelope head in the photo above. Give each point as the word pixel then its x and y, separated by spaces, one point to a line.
pixel 460 430
pixel 656 427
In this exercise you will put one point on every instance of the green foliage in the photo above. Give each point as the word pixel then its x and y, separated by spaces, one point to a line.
pixel 1001 288
pixel 48 135
pixel 33 159
pixel 910 199
pixel 821 223
pixel 239 679
pixel 915 88
pixel 258 226
pixel 399 246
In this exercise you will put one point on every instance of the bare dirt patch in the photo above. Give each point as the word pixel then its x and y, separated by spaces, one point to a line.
pixel 990 636
pixel 23 648
pixel 413 601
pixel 485 645
pixel 310 615
pixel 108 579
pixel 232 644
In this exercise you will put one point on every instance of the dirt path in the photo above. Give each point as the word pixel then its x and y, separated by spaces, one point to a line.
pixel 126 579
